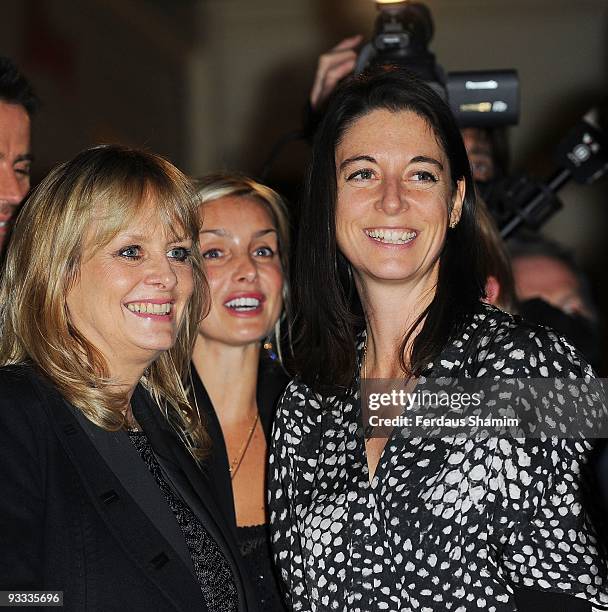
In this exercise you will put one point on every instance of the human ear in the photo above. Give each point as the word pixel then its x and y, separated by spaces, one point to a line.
pixel 492 290
pixel 457 202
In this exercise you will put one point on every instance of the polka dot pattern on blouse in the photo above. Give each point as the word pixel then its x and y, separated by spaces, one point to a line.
pixel 446 523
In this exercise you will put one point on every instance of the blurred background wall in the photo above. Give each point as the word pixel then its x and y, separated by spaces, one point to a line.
pixel 213 83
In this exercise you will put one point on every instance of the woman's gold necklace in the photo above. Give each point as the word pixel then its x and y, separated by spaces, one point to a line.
pixel 235 464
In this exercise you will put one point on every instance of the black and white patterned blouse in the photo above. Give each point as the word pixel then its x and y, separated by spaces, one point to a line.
pixel 446 523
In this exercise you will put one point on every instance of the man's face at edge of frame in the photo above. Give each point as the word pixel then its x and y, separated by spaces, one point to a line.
pixel 15 161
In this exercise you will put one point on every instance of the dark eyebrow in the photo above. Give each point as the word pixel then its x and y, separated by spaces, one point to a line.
pixel 263 232
pixel 20 158
pixel 369 158
pixel 426 160
pixel 350 160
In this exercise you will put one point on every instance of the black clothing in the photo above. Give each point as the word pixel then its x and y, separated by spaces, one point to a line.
pixel 271 383
pixel 210 567
pixel 447 523
pixel 578 330
pixel 254 544
pixel 81 513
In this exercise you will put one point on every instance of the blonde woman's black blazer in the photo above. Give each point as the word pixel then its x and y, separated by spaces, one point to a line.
pixel 81 513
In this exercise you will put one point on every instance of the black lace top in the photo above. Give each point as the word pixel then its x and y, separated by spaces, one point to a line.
pixel 254 544
pixel 212 570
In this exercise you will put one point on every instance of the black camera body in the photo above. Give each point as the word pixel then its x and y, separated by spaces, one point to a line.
pixel 402 33
pixel 582 155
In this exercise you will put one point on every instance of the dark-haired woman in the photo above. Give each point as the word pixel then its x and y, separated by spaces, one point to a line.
pixel 413 523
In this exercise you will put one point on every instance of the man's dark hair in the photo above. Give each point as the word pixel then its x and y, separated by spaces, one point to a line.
pixel 533 244
pixel 15 88
pixel 328 313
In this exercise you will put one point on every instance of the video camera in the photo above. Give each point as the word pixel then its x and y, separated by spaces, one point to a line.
pixel 582 155
pixel 485 99
pixel 402 33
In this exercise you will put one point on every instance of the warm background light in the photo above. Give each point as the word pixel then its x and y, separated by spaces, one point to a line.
pixel 214 84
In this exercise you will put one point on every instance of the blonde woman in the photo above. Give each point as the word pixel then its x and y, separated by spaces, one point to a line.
pixel 236 382
pixel 100 300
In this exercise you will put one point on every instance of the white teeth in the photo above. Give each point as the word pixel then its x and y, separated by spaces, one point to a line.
pixel 243 303
pixel 3 224
pixel 149 308
pixel 391 236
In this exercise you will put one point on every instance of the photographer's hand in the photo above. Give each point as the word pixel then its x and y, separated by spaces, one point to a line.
pixel 333 66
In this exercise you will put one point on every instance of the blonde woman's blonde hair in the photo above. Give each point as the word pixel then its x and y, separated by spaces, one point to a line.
pixel 215 186
pixel 111 184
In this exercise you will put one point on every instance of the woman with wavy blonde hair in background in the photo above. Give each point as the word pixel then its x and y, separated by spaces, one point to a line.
pixel 100 299
pixel 237 375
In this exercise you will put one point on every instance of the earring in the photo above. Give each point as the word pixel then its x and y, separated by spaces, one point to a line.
pixel 270 349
